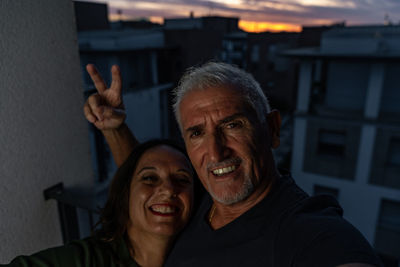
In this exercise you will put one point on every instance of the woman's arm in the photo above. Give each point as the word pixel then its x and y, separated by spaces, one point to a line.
pixel 105 110
pixel 121 142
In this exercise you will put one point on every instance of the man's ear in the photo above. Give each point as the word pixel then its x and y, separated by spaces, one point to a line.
pixel 274 126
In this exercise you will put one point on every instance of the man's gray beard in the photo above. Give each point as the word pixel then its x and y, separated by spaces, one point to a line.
pixel 229 198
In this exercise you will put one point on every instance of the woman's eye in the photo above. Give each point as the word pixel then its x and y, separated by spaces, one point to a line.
pixel 149 179
pixel 183 181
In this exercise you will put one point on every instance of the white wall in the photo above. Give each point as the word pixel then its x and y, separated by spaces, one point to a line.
pixel 43 134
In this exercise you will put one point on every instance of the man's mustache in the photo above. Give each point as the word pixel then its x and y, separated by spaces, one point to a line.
pixel 224 163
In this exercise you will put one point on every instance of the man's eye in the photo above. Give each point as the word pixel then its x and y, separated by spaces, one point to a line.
pixel 234 124
pixel 195 133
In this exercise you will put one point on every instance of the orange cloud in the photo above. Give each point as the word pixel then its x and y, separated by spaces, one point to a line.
pixel 159 20
pixel 255 26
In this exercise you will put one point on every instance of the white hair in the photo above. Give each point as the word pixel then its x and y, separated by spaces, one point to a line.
pixel 216 74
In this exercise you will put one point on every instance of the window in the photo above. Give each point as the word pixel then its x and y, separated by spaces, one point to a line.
pixel 255 54
pixel 238 46
pixel 391 93
pixel 346 86
pixel 385 169
pixel 331 142
pixel 393 158
pixel 387 236
pixel 331 148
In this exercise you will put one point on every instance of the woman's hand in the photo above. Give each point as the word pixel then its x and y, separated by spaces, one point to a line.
pixel 106 111
pixel 105 108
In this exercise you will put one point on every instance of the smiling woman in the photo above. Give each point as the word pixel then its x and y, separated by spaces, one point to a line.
pixel 162 172
pixel 150 201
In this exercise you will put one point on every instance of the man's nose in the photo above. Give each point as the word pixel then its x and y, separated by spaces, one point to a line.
pixel 216 147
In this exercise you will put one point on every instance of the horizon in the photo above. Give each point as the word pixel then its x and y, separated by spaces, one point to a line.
pixel 262 15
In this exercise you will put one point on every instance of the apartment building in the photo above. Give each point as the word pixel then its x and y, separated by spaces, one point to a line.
pixel 347 128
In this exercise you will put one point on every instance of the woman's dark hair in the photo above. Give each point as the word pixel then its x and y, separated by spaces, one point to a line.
pixel 114 217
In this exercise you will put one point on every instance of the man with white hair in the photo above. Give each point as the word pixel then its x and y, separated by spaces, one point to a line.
pixel 254 215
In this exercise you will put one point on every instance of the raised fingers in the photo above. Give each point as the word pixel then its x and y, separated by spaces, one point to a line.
pixel 116 83
pixel 96 78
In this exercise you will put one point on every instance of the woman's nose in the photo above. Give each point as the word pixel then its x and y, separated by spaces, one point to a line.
pixel 168 188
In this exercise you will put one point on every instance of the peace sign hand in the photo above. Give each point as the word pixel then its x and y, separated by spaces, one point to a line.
pixel 105 108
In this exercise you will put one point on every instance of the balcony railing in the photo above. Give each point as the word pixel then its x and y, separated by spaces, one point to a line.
pixel 78 209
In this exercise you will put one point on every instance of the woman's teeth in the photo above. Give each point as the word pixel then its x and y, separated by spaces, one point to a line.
pixel 164 209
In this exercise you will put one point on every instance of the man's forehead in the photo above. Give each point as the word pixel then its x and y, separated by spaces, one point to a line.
pixel 215 109
pixel 199 96
pixel 217 89
pixel 213 102
pixel 199 121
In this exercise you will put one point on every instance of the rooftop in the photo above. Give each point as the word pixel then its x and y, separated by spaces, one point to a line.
pixel 360 42
pixel 120 40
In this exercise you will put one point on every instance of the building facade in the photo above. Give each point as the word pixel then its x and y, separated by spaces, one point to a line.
pixel 347 129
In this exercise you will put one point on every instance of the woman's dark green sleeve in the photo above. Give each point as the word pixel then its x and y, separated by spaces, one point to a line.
pixel 82 253
pixel 73 254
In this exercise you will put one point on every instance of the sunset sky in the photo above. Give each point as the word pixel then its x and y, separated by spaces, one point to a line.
pixel 261 15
